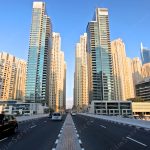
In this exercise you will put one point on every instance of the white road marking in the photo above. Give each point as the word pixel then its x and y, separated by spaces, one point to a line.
pixel 147 129
pixel 102 126
pixel 53 148
pixel 45 121
pixel 3 139
pixel 56 142
pixel 77 135
pixel 33 126
pixel 58 135
pixel 136 141
pixel 80 142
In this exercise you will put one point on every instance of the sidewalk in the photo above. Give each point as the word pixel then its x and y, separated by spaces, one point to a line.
pixel 26 118
pixel 68 139
pixel 128 121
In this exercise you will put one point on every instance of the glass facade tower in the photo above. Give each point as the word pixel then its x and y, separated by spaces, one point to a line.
pixel 38 55
pixel 100 75
pixel 145 55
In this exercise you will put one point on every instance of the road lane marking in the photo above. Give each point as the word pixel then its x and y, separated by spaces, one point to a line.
pixel 136 141
pixel 80 142
pixel 102 126
pixel 33 126
pixel 45 121
pixel 4 139
pixel 56 142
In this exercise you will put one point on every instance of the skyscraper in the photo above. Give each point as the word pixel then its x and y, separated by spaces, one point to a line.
pixel 100 75
pixel 37 81
pixel 57 78
pixel 12 77
pixel 80 76
pixel 124 70
pixel 119 68
pixel 146 70
pixel 136 70
pixel 145 54
pixel 129 79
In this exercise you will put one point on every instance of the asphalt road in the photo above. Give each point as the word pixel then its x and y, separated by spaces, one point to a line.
pixel 39 134
pixel 98 134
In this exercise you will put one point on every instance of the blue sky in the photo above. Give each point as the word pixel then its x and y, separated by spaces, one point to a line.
pixel 129 20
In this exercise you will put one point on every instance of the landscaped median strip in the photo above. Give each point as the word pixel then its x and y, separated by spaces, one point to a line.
pixel 68 139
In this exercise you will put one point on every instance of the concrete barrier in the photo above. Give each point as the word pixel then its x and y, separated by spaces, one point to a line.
pixel 27 118
pixel 128 121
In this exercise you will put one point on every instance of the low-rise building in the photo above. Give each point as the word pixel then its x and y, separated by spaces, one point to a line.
pixel 143 89
pixel 111 108
pixel 18 108
pixel 141 110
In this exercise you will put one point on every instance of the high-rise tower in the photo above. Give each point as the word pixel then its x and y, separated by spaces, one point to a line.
pixel 80 76
pixel 119 68
pixel 37 81
pixel 145 54
pixel 12 77
pixel 57 77
pixel 100 76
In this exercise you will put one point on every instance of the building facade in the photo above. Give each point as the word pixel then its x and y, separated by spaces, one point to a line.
pixel 145 54
pixel 143 89
pixel 12 77
pixel 119 68
pixel 129 89
pixel 111 108
pixel 146 70
pixel 136 70
pixel 100 75
pixel 80 75
pixel 37 80
pixel 141 110
pixel 57 78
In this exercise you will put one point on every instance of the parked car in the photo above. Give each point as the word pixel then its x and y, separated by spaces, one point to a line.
pixel 56 116
pixel 8 124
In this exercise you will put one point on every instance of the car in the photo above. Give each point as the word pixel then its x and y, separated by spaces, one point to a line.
pixel 8 124
pixel 56 116
pixel 73 113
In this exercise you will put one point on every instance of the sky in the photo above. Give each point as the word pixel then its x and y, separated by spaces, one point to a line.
pixel 129 20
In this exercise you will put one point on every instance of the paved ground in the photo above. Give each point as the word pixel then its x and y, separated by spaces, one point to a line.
pixel 97 134
pixel 39 134
pixel 140 123
pixel 68 138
